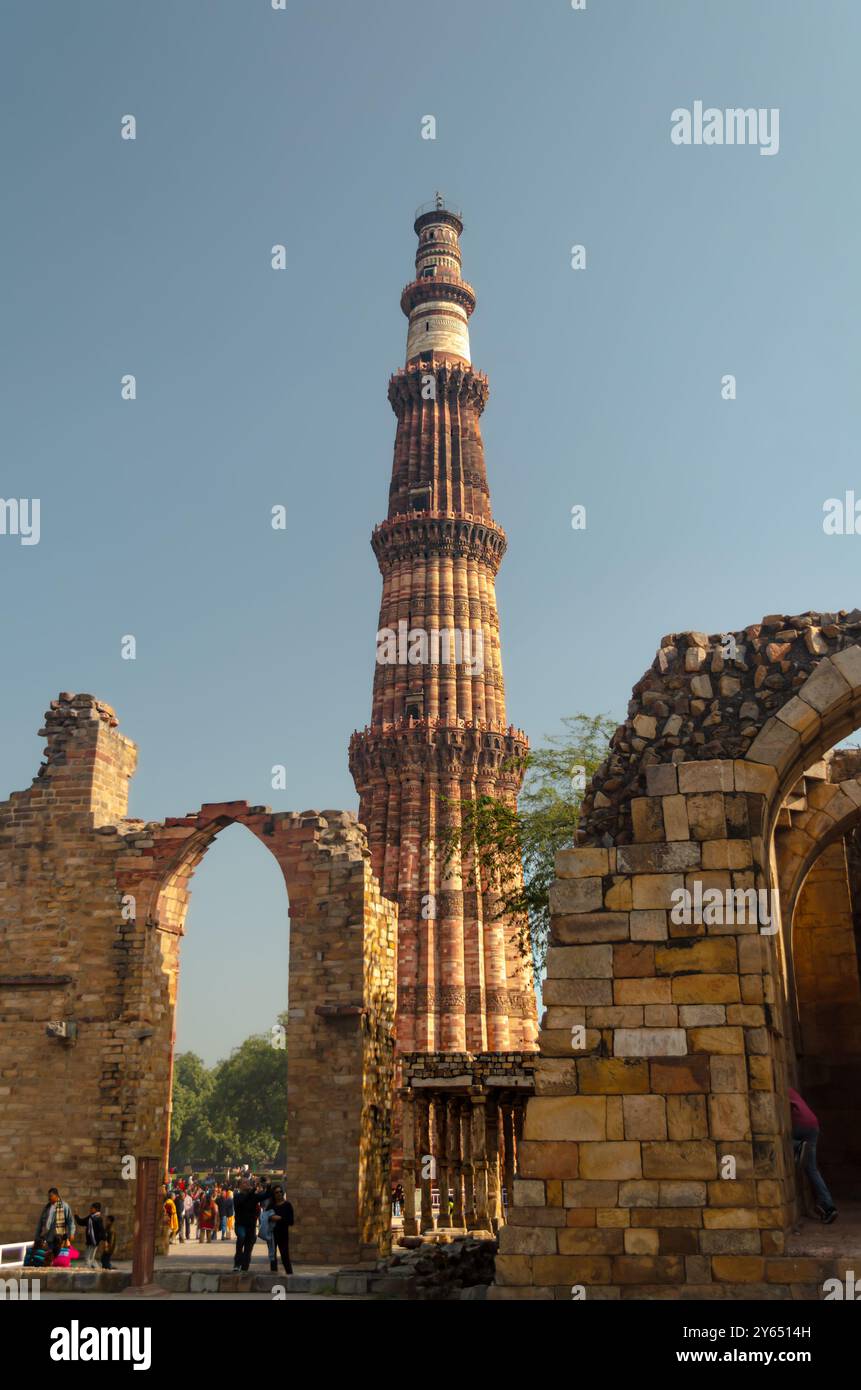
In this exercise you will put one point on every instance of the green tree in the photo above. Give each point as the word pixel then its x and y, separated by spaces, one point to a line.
pixel 233 1112
pixel 510 853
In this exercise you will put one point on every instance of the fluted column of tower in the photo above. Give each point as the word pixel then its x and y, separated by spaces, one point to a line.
pixel 438 733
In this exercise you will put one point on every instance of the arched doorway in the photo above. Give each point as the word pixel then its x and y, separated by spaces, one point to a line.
pixel 229 1093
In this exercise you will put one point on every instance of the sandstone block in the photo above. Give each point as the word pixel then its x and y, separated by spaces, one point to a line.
pixel 574 991
pixel 655 890
pixel 641 1242
pixel 642 991
pixel 686 1117
pixel 576 895
pixel 611 1160
pixel 702 955
pixel 647 817
pixel 590 1194
pixel 723 1040
pixel 738 1269
pixel 662 780
pixel 727 1074
pixel 658 1016
pixel 675 857
pixel 588 928
pixel 528 1193
pixel 566 1117
pixel 648 924
pixel 677 1076
pixel 691 1158
pixel 583 862
pixel 707 815
pixel 580 962
pixel 572 1269
pixel 729 1117
pixel 705 989
pixel 649 1042
pixel 716 776
pixel 585 1241
pixel 521 1240
pixel 701 1015
pixel 676 825
pixel 548 1159
pixel 731 1218
pixel 645 1117
pixel 612 1076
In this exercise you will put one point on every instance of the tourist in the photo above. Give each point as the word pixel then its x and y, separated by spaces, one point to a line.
pixel 179 1203
pixel 109 1244
pixel 188 1213
pixel 221 1203
pixel 805 1131
pixel 245 1203
pixel 206 1221
pixel 95 1230
pixel 228 1211
pixel 171 1222
pixel 282 1220
pixel 56 1225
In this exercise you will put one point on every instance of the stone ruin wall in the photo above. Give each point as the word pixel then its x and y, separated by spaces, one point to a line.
pixel 688 1027
pixel 69 858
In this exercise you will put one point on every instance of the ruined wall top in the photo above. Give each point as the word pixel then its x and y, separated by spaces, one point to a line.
pixel 88 762
pixel 704 697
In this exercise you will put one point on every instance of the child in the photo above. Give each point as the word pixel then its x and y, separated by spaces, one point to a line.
pixel 109 1244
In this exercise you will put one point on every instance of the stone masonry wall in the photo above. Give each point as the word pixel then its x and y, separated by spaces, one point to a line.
pixel 656 1155
pixel 91 915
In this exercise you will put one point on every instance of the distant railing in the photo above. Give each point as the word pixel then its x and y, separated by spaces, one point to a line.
pixel 438 204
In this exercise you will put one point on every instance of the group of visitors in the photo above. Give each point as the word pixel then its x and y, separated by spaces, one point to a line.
pixel 253 1210
pixel 55 1231
pixel 209 1210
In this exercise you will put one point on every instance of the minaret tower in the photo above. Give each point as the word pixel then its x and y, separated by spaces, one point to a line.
pixel 438 731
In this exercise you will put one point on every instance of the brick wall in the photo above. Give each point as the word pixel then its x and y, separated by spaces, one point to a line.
pixel 91 917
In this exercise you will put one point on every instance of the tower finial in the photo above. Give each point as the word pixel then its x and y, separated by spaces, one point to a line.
pixel 440 200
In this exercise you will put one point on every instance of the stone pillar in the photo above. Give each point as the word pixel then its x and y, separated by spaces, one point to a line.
pixel 494 1201
pixel 468 1168
pixel 423 1103
pixel 508 1149
pixel 409 1160
pixel 455 1161
pixel 478 1120
pixel 440 1106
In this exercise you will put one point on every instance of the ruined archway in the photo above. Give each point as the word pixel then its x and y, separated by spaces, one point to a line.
pixel 90 918
pixel 660 1120
pixel 819 877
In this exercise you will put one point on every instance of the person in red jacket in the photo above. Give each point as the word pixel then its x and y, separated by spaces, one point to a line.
pixel 805 1129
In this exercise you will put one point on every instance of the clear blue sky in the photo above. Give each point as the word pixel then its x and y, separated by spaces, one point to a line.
pixel 255 647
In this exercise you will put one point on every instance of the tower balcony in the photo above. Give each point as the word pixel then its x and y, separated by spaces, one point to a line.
pixel 441 286
pixel 411 535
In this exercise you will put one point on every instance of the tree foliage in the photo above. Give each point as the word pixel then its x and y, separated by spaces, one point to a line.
pixel 234 1112
pixel 509 852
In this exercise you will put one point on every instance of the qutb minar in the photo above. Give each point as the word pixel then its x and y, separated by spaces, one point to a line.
pixel 438 733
